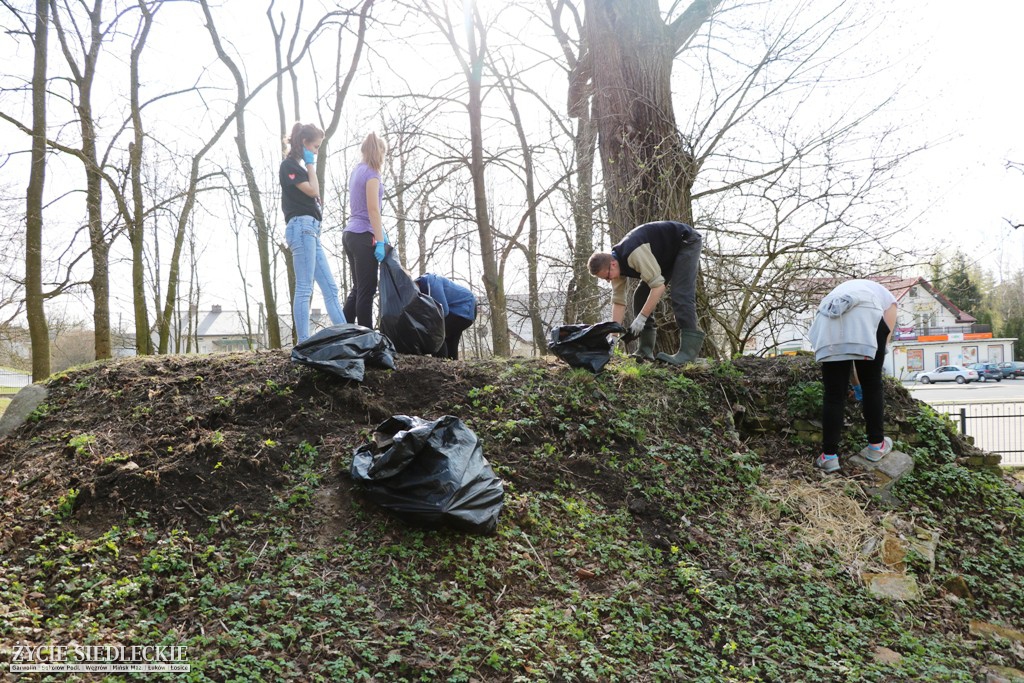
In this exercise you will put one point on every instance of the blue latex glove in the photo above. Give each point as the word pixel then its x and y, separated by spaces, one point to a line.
pixel 858 393
pixel 308 156
pixel 378 251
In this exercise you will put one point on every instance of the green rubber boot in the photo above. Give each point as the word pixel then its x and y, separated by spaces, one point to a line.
pixel 645 351
pixel 690 342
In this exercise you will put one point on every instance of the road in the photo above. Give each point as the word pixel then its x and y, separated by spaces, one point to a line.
pixel 988 391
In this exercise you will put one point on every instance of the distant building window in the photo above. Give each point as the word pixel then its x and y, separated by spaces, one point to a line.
pixel 913 292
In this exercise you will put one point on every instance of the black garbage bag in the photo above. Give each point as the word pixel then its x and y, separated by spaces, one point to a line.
pixel 345 349
pixel 584 346
pixel 411 319
pixel 431 473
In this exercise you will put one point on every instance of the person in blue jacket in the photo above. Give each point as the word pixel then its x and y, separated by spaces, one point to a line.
pixel 458 306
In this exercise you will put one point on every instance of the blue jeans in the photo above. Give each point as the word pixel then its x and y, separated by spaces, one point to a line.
pixel 310 264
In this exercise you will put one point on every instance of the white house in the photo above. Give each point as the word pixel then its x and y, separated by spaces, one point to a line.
pixel 931 331
pixel 217 330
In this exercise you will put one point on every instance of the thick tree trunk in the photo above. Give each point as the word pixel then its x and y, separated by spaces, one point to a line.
pixel 648 173
pixel 38 330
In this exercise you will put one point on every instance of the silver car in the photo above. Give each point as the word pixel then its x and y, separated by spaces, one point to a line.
pixel 949 373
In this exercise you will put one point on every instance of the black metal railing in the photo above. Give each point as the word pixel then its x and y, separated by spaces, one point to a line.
pixel 995 427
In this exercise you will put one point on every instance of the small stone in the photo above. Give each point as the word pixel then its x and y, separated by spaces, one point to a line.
pixel 983 628
pixel 957 587
pixel 1003 674
pixel 891 586
pixel 894 553
pixel 884 655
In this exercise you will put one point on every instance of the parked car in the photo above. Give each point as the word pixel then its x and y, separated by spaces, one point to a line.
pixel 987 371
pixel 1012 368
pixel 948 373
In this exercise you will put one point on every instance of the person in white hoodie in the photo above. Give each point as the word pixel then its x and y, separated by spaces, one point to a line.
pixel 852 328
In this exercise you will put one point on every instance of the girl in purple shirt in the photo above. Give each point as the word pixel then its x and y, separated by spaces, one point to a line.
pixel 364 237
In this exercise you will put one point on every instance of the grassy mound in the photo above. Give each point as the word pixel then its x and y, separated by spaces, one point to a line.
pixel 659 525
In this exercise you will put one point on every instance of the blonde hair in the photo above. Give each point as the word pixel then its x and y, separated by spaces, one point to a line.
pixel 373 150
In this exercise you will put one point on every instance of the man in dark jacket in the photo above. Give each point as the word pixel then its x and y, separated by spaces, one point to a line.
pixel 659 254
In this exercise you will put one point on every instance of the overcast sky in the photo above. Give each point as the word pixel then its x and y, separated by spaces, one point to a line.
pixel 969 94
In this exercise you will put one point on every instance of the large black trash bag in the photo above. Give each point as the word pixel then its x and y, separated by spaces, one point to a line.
pixel 584 346
pixel 345 349
pixel 411 319
pixel 431 473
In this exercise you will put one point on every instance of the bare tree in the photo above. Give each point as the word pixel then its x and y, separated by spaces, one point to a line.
pixel 812 198
pixel 195 178
pixel 471 59
pixel 646 168
pixel 583 301
pixel 134 216
pixel 34 296
pixel 259 218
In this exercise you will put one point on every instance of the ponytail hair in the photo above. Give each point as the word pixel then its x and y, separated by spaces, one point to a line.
pixel 300 135
pixel 373 150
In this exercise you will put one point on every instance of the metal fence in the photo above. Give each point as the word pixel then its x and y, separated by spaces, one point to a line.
pixel 12 380
pixel 997 426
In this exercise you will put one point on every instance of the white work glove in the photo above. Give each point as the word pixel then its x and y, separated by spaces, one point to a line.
pixel 637 326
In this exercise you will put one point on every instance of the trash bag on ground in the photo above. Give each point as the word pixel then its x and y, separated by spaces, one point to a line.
pixel 344 350
pixel 411 319
pixel 584 346
pixel 431 473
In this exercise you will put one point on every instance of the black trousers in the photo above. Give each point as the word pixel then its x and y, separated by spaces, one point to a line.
pixel 835 376
pixel 454 326
pixel 364 268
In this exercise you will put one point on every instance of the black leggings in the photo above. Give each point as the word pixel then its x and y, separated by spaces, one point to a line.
pixel 364 269
pixel 835 375
pixel 454 326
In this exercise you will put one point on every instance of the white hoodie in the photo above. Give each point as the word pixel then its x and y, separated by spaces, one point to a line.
pixel 846 325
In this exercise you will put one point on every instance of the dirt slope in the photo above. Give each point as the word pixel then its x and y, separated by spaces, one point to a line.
pixel 659 525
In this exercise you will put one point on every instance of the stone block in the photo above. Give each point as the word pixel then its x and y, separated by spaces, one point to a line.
pixel 894 553
pixel 884 474
pixel 958 587
pixel 1003 674
pixel 983 628
pixel 925 542
pixel 902 587
pixel 884 655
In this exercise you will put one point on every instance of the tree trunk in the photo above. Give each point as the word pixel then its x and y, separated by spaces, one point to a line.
pixel 493 282
pixel 136 222
pixel 83 77
pixel 37 327
pixel 648 173
pixel 532 260
pixel 259 217
pixel 262 233
pixel 583 301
